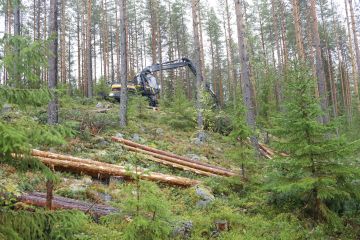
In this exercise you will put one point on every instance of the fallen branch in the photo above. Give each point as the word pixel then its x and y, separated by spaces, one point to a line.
pixel 39 199
pixel 96 169
pixel 172 158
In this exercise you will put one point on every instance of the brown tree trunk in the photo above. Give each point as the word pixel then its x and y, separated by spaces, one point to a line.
pixel 356 44
pixel 214 82
pixel 78 46
pixel 202 54
pixel 124 62
pixel 52 62
pixel 354 73
pixel 34 20
pixel 88 50
pixel 283 35
pixel 49 194
pixel 199 73
pixel 160 59
pixel 331 78
pixel 9 15
pixel 104 34
pixel 117 40
pixel 278 84
pixel 344 87
pixel 38 7
pixel 84 55
pixel 154 29
pixel 298 35
pixel 17 18
pixel 319 65
pixel 95 55
pixel 311 56
pixel 247 88
pixel 229 55
pixel 63 43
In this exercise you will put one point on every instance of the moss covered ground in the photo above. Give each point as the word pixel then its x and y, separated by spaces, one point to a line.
pixel 149 210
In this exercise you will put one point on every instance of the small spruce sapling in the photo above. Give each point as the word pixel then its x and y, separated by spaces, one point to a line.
pixel 149 210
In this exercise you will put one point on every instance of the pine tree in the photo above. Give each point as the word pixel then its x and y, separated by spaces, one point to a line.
pixel 124 63
pixel 53 58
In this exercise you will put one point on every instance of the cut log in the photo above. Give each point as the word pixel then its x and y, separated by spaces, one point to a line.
pixel 188 163
pixel 269 153
pixel 165 153
pixel 181 162
pixel 39 199
pixel 175 165
pixel 96 169
pixel 44 154
pixel 267 149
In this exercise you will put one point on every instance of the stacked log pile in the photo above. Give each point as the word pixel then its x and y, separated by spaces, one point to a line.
pixel 39 199
pixel 100 169
pixel 176 161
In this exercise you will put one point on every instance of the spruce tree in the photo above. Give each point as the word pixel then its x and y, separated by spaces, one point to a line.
pixel 318 175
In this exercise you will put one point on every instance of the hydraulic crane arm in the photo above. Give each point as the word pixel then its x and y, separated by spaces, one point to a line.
pixel 183 62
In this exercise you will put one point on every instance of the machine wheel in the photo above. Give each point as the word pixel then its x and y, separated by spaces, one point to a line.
pixel 152 100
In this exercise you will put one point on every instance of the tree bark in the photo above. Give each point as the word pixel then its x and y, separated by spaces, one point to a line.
pixel 97 169
pixel 49 193
pixel 319 65
pixel 351 50
pixel 124 62
pixel 63 74
pixel 245 77
pixel 346 99
pixel 78 45
pixel 88 50
pixel 52 62
pixel 229 54
pixel 169 154
pixel 38 199
pixel 17 76
pixel 117 43
pixel 202 54
pixel 298 35
pixel 17 18
pixel 278 84
pixel 154 29
pixel 199 75
pixel 356 43
pixel 283 36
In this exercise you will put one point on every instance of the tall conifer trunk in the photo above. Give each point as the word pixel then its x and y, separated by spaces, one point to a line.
pixel 124 63
pixel 319 64
pixel 52 62
pixel 199 75
pixel 245 76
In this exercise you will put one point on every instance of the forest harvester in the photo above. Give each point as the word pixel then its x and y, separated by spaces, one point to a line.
pixel 147 84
